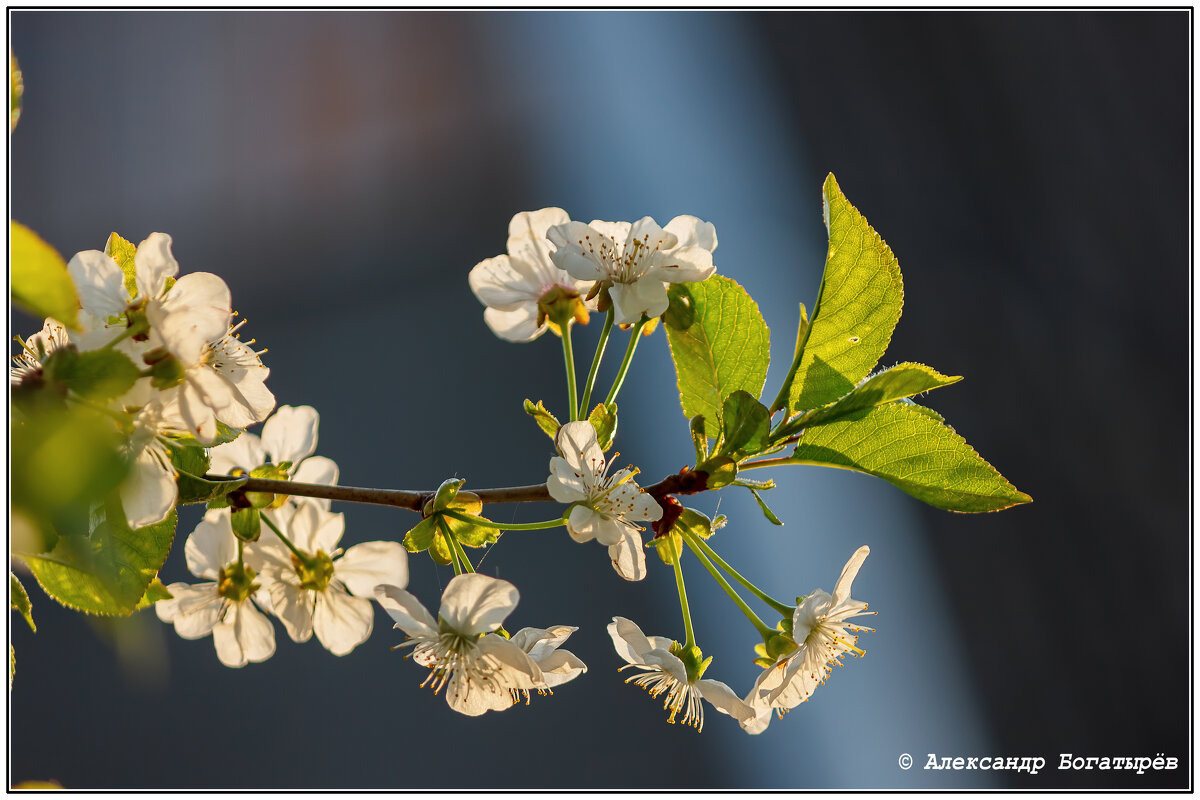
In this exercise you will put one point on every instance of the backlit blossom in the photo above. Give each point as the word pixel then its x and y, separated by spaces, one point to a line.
pixel 606 507
pixel 223 605
pixel 665 673
pixel 481 671
pixel 542 645
pixel 823 635
pixel 519 288
pixel 36 349
pixel 638 259
pixel 288 437
pixel 324 590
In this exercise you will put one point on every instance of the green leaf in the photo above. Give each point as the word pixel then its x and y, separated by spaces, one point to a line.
pixel 604 420
pixel 154 592
pixel 722 471
pixel 766 510
pixel 746 425
pixel 192 464
pixel 109 571
pixel 421 536
pixel 699 437
pixel 907 447
pixel 857 308
pixel 897 383
pixel 726 348
pixel 544 419
pixel 246 524
pixel 39 280
pixel 16 90
pixel 18 600
pixel 98 375
pixel 668 547
pixel 469 534
pixel 680 313
pixel 224 434
pixel 123 251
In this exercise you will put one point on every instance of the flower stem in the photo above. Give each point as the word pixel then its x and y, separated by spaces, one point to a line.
pixel 569 360
pixel 634 335
pixel 683 601
pixel 125 334
pixel 738 601
pixel 303 558
pixel 461 562
pixel 591 378
pixel 241 568
pixel 782 608
pixel 462 555
pixel 505 526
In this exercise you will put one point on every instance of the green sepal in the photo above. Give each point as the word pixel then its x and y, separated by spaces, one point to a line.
pixel 668 547
pixel 604 420
pixel 722 471
pixel 439 549
pixel 38 278
pixel 469 534
pixel 726 348
pixel 224 434
pixel 122 251
pixel 906 446
pixel 745 425
pixel 18 600
pixel 154 592
pixel 899 382
pixel 109 571
pixel 766 510
pixel 246 524
pixel 544 419
pixel 695 523
pixel 421 536
pixel 444 496
pixel 858 305
pixel 699 437
pixel 98 375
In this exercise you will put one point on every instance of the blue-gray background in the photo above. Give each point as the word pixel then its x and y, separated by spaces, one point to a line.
pixel 344 171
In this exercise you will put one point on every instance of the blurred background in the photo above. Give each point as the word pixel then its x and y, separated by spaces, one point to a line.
pixel 343 171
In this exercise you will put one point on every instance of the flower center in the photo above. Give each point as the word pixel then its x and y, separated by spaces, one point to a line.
pixel 679 695
pixel 315 573
pixel 236 582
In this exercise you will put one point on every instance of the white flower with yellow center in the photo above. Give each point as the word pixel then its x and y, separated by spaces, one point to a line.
pixel 520 288
pixel 542 645
pixel 226 385
pixel 481 671
pixel 822 635
pixel 665 673
pixel 638 259
pixel 606 507
pixel 223 605
pixel 36 349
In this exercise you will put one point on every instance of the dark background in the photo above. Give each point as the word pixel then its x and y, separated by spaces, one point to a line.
pixel 343 172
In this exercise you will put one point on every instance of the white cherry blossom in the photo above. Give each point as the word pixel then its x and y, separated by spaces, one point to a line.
pixel 226 385
pixel 542 645
pixel 665 673
pixel 36 349
pixel 223 605
pixel 638 258
pixel 823 635
pixel 511 286
pixel 605 506
pixel 327 591
pixel 288 437
pixel 480 670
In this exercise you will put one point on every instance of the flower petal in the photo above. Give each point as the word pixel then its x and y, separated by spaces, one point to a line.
pixel 193 609
pixel 561 666
pixel 517 325
pixel 627 557
pixel 577 443
pixel 212 545
pixel 245 635
pixel 499 284
pixel 342 622
pixel 371 564
pixel 291 434
pixel 516 669
pixel 99 282
pixel 245 452
pixel 565 484
pixel 681 265
pixel 691 230
pixel 317 469
pixel 194 312
pixel 149 491
pixel 841 592
pixel 474 604
pixel 631 644
pixel 631 300
pixel 470 694
pixel 725 701
pixel 410 616
pixel 153 264
pixel 294 607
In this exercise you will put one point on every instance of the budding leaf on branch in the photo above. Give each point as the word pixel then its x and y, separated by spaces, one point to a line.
pixel 762 504
pixel 857 308
pixel 122 251
pixel 746 425
pixel 18 600
pixel 726 347
pixel 911 449
pixel 154 592
pixel 39 280
pixel 224 434
pixel 604 420
pixel 191 465
pixel 109 571
pixel 897 383
pixel 544 419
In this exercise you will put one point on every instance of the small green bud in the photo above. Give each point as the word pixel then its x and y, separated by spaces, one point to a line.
pixel 693 660
pixel 272 472
pixel 165 369
pixel 779 645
